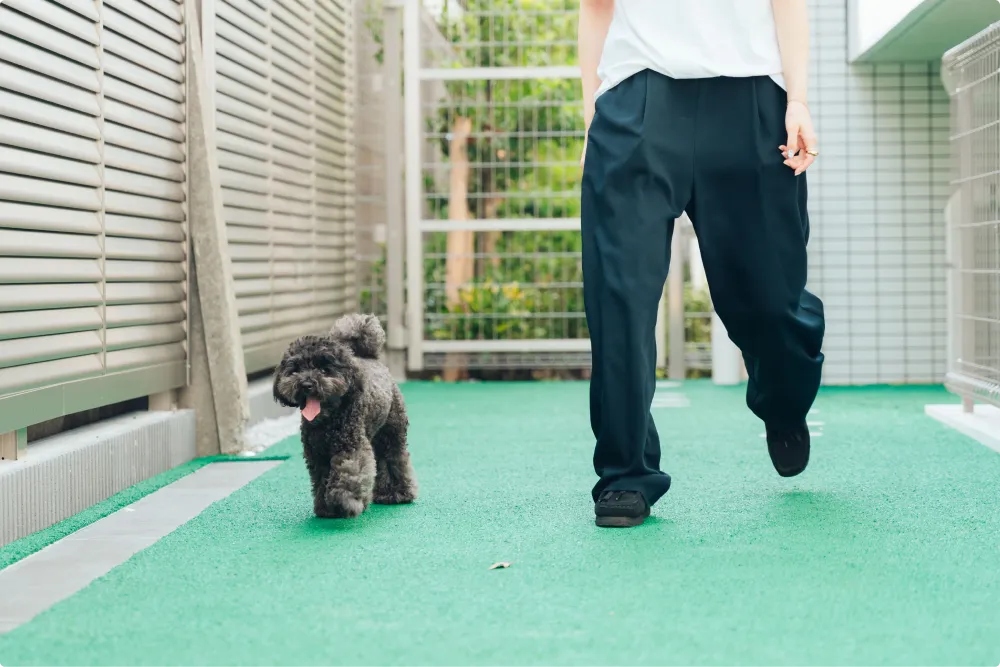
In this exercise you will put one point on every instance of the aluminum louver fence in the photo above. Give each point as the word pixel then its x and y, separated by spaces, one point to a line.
pixel 971 73
pixel 284 72
pixel 93 257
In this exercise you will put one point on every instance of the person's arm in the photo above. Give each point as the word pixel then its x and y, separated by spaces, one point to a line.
pixel 792 24
pixel 595 19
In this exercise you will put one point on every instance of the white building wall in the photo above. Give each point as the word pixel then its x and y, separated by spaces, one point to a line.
pixel 877 194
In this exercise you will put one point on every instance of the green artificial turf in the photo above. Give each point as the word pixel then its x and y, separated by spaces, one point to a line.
pixel 886 551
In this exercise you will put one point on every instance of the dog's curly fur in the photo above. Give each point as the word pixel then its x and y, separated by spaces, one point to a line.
pixel 355 448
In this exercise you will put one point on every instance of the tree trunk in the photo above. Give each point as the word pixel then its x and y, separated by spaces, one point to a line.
pixel 490 242
pixel 460 264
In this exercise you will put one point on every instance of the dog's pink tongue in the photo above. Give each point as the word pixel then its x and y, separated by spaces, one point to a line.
pixel 311 410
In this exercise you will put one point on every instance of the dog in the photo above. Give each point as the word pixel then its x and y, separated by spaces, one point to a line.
pixel 354 421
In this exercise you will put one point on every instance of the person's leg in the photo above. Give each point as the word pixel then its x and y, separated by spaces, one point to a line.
pixel 749 211
pixel 636 180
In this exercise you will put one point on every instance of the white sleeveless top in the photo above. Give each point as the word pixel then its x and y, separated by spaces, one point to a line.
pixel 690 39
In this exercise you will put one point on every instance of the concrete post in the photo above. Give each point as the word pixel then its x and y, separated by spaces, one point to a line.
pixel 218 373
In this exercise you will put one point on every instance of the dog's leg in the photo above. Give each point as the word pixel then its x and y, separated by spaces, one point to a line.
pixel 395 481
pixel 318 474
pixel 352 477
pixel 316 452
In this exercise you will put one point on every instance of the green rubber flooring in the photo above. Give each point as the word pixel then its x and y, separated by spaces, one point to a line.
pixel 886 551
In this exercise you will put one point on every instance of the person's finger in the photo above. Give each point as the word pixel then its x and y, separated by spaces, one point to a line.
pixel 810 147
pixel 792 163
pixel 792 145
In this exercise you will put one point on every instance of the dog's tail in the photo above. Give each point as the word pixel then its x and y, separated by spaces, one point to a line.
pixel 362 333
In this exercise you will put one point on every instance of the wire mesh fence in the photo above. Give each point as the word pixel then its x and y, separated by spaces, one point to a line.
pixel 972 75
pixel 501 176
pixel 502 250
pixel 500 134
pixel 502 33
pixel 370 165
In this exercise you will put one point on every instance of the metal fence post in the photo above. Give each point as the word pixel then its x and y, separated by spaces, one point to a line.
pixel 675 290
pixel 662 344
pixel 14 445
pixel 414 186
pixel 726 368
pixel 395 241
pixel 971 76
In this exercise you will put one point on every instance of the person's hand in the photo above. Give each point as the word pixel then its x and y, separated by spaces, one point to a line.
pixel 802 147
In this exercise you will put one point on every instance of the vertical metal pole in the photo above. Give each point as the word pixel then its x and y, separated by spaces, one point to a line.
pixel 967 283
pixel 414 186
pixel 395 241
pixel 675 301
pixel 966 286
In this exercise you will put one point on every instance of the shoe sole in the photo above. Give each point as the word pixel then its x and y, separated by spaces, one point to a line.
pixel 620 521
pixel 791 473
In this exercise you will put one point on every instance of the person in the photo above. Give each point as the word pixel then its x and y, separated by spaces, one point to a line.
pixel 698 107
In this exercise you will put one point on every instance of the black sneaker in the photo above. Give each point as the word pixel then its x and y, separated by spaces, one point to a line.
pixel 789 448
pixel 621 509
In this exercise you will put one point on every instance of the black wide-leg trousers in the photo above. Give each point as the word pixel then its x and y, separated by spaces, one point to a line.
pixel 658 147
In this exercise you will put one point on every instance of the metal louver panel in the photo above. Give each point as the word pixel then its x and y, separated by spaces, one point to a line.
pixel 93 259
pixel 284 104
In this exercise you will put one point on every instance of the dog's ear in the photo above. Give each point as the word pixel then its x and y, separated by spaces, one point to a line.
pixel 280 371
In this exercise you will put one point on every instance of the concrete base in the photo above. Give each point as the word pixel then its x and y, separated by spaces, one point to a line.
pixel 983 423
pixel 65 474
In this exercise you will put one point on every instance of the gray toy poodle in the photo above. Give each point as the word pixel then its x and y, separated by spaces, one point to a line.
pixel 353 419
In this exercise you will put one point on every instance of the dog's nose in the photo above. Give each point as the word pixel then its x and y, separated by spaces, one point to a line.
pixel 308 385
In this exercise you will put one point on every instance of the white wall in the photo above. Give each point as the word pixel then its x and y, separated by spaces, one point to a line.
pixel 877 194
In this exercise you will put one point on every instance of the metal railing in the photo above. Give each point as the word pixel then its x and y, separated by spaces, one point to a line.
pixel 971 73
pixel 93 209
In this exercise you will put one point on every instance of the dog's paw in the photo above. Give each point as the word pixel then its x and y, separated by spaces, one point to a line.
pixel 395 497
pixel 338 504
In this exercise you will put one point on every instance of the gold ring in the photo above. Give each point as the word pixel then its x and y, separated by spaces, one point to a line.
pixel 813 153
